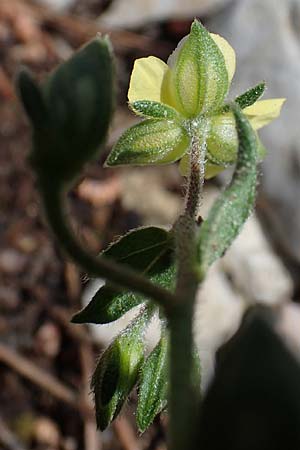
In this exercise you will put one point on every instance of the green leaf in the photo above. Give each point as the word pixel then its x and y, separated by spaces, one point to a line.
pixel 199 77
pixel 153 109
pixel 251 96
pixel 153 385
pixel 32 98
pixel 147 250
pixel 152 141
pixel 78 98
pixel 117 370
pixel 233 207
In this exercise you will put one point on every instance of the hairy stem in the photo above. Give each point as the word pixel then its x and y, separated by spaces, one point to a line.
pixel 119 275
pixel 184 396
pixel 197 172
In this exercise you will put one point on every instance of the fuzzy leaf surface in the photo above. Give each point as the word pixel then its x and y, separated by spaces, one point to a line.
pixel 153 385
pixel 233 207
pixel 156 110
pixel 251 95
pixel 147 250
pixel 117 370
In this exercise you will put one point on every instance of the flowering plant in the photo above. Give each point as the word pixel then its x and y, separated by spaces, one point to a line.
pixel 187 119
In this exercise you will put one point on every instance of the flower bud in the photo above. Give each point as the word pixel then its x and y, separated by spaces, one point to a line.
pixel 198 80
pixel 116 373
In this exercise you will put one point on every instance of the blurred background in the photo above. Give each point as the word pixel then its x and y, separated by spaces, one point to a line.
pixel 45 362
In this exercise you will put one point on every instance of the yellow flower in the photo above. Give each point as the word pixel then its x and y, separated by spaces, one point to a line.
pixel 193 84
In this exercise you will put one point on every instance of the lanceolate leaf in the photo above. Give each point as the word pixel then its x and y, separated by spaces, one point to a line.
pixel 251 96
pixel 117 370
pixel 147 250
pixel 153 141
pixel 233 207
pixel 153 385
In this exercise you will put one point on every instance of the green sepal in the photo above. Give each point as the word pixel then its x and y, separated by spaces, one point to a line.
pixel 78 98
pixel 153 385
pixel 233 207
pixel 251 95
pixel 199 78
pixel 152 141
pixel 148 250
pixel 117 371
pixel 155 110
pixel 222 140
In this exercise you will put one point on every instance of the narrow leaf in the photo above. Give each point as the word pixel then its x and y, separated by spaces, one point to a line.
pixel 147 250
pixel 251 95
pixel 233 207
pixel 153 385
pixel 152 141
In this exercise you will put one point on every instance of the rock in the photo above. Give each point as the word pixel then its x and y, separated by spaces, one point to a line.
pixel 12 261
pixel 139 12
pixel 57 5
pixel 218 315
pixel 288 326
pixel 254 268
pixel 266 37
pixel 144 191
pixel 46 433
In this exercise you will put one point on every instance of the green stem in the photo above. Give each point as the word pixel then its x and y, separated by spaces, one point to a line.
pixel 119 275
pixel 184 395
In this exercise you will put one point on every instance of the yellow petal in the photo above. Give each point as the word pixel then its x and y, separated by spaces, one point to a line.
pixel 264 112
pixel 146 79
pixel 211 170
pixel 228 53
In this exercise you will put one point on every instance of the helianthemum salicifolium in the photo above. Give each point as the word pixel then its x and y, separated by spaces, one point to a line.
pixel 177 97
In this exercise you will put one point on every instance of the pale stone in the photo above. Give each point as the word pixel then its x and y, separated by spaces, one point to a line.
pixel 57 5
pixel 218 314
pixel 139 12
pixel 255 269
pixel 143 191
